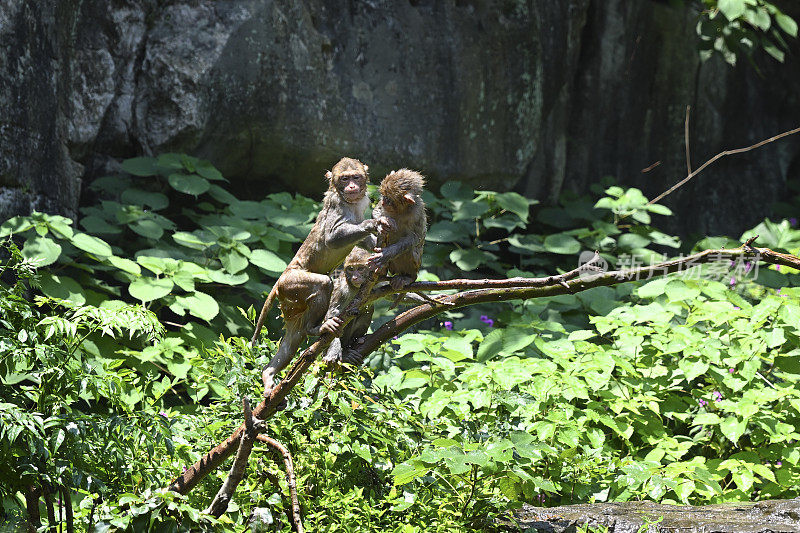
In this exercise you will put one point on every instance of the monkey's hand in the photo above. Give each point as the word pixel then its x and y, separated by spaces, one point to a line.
pixel 376 260
pixel 333 325
pixel 385 225
pixel 352 357
pixel 371 225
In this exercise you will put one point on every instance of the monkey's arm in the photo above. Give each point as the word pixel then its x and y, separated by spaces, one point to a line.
pixel 341 233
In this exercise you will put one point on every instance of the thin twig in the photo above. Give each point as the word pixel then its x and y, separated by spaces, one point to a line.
pixel 686 142
pixel 718 156
pixel 291 480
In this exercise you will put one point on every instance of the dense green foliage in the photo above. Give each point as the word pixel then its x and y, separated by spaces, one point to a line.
pixel 738 28
pixel 133 360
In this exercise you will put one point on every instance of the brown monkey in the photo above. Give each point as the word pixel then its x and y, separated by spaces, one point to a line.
pixel 403 224
pixel 345 286
pixel 304 288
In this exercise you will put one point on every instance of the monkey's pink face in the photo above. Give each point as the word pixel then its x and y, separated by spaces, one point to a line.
pixel 352 187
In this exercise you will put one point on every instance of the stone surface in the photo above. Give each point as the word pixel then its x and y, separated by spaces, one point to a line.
pixel 774 516
pixel 538 97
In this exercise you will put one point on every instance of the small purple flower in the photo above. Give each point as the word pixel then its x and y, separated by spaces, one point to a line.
pixel 748 266
pixel 448 325
pixel 793 221
pixel 778 268
pixel 737 308
pixel 164 414
pixel 717 395
pixel 733 262
pixel 778 463
pixel 702 402
pixel 733 281
pixel 486 320
pixel 731 371
pixel 184 469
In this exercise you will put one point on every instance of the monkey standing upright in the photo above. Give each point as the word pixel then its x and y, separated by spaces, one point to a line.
pixel 304 288
pixel 402 226
pixel 345 286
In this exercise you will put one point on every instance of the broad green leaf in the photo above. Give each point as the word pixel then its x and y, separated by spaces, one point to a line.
pixel 63 287
pixel 140 166
pixel 125 265
pixel 42 250
pixel 267 260
pixel 91 244
pixel 469 259
pixel 733 428
pixel 189 183
pixel 514 203
pixel 154 200
pixel 148 289
pixel 208 171
pixel 199 304
pixel 147 228
pixel 194 240
pixel 15 226
pixel 233 261
pixel 732 9
pixel 563 244
pixel 449 232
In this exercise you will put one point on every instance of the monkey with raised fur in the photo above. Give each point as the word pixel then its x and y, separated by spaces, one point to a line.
pixel 345 286
pixel 402 226
pixel 304 288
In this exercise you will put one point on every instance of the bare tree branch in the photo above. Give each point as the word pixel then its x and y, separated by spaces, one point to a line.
pixel 297 523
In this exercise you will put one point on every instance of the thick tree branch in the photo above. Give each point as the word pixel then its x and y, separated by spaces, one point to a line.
pixel 483 291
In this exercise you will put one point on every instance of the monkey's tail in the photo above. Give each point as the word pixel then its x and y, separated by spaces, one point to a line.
pixel 264 311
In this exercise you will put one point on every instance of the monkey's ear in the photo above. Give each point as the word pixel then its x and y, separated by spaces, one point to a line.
pixel 366 169
pixel 329 175
pixel 409 198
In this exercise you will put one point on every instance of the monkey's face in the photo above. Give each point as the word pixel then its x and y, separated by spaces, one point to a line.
pixel 352 186
pixel 356 274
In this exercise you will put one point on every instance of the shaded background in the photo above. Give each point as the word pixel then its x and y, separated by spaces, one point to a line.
pixel 538 97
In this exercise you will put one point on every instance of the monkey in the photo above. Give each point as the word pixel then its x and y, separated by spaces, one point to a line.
pixel 345 286
pixel 402 226
pixel 304 289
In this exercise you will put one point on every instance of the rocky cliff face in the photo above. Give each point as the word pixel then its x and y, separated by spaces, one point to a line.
pixel 536 96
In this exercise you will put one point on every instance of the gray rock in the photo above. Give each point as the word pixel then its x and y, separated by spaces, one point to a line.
pixel 772 516
pixel 539 97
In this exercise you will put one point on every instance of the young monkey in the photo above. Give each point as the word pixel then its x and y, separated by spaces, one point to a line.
pixel 402 226
pixel 345 286
pixel 304 288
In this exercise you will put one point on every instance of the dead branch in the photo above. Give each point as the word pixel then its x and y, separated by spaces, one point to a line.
pixel 252 426
pixel 483 291
pixel 297 523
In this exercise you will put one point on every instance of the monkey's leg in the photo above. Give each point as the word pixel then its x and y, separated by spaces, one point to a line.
pixel 286 350
pixel 303 296
pixel 334 352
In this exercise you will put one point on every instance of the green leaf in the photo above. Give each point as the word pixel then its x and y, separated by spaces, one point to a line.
pixel 147 228
pixel 155 200
pixel 140 166
pixel 408 472
pixel 189 183
pixel 92 245
pixel 208 171
pixel 126 265
pixel 193 240
pixel 148 289
pixel 733 428
pixel 561 243
pixel 732 9
pixel 787 24
pixel 233 261
pixel 96 225
pixel 42 250
pixel 447 231
pixel 199 304
pixel 63 287
pixel 469 259
pixel 15 226
pixel 514 203
pixel 267 260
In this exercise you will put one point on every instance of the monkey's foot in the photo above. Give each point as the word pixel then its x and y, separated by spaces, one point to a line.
pixel 398 282
pixel 352 357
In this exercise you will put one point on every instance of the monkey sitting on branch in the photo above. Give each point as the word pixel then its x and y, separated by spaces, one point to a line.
pixel 345 286
pixel 402 227
pixel 304 289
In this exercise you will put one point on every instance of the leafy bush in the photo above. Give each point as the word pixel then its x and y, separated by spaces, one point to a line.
pixel 132 361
